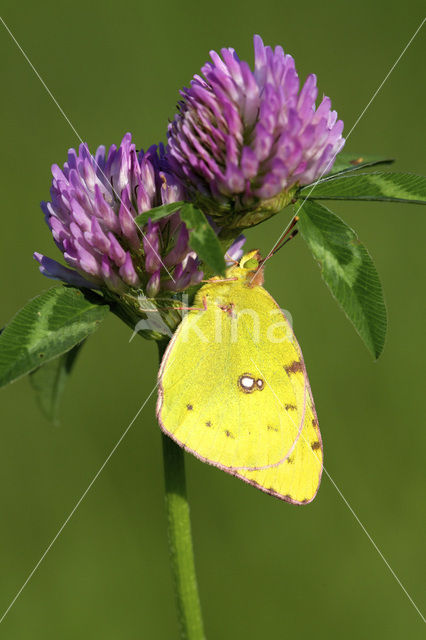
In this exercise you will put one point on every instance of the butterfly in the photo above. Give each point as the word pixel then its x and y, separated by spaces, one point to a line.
pixel 233 388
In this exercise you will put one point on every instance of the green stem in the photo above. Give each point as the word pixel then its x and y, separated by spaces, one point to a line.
pixel 180 539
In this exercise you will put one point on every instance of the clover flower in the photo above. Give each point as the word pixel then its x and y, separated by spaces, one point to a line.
pixel 94 200
pixel 242 139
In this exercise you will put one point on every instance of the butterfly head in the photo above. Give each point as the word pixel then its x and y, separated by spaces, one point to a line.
pixel 249 269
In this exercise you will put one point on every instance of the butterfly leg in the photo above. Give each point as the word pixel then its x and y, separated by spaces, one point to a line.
pixel 216 280
pixel 203 308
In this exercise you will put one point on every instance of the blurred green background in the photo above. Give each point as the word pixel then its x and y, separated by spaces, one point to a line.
pixel 266 569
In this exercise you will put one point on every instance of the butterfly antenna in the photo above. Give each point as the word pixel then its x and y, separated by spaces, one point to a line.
pixel 288 235
pixel 292 235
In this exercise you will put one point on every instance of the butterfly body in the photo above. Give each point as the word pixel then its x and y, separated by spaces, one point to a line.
pixel 233 388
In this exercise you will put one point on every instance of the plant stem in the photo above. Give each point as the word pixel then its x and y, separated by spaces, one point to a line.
pixel 180 539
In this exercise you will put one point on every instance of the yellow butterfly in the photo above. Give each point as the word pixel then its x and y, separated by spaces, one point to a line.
pixel 233 388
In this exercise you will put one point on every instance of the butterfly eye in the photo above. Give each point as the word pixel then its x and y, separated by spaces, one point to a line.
pixel 251 264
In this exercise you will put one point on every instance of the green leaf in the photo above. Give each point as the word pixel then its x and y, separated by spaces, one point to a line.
pixel 390 187
pixel 348 270
pixel 48 381
pixel 202 238
pixel 158 212
pixel 48 325
pixel 346 162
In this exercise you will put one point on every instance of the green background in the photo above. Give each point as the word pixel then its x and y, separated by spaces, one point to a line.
pixel 266 569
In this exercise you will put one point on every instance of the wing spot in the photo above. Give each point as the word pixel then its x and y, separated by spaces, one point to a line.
pixel 208 424
pixel 247 383
pixel 315 445
pixel 288 497
pixel 290 406
pixel 290 460
pixel 314 422
pixel 227 308
pixel 229 434
pixel 189 407
pixel 294 367
pixel 269 428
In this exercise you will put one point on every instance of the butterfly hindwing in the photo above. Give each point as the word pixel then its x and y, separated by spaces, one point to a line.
pixel 233 390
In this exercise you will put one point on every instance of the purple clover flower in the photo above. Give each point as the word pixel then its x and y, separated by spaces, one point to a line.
pixel 91 215
pixel 242 139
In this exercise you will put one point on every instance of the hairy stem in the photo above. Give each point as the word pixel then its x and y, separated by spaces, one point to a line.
pixel 180 539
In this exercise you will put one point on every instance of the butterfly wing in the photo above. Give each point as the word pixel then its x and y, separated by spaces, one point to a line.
pixel 233 390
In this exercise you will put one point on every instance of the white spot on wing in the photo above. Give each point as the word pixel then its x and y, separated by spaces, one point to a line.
pixel 247 382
